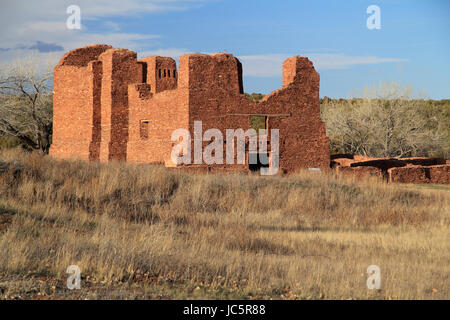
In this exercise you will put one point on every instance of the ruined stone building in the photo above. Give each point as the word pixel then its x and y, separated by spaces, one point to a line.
pixel 110 106
pixel 400 170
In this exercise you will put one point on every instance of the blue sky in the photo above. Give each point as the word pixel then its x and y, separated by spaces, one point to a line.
pixel 412 46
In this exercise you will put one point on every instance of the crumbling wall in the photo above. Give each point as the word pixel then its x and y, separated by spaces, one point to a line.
pixel 76 104
pixel 120 68
pixel 439 174
pixel 161 73
pixel 214 83
pixel 304 142
pixel 152 119
pixel 215 86
pixel 109 106
pixel 124 109
pixel 401 170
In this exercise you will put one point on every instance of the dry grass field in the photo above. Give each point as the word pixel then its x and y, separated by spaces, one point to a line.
pixel 143 232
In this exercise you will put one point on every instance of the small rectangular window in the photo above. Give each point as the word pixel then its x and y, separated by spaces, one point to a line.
pixel 164 73
pixel 144 129
pixel 174 73
pixel 159 73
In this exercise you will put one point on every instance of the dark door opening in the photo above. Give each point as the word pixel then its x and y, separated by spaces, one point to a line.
pixel 255 163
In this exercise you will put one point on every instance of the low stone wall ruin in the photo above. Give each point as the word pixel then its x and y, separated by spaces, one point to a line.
pixel 402 170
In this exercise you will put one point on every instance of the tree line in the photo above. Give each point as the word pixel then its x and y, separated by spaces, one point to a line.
pixel 388 122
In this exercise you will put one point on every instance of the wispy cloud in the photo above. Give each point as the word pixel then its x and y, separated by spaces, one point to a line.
pixel 270 65
pixel 40 46
pixel 23 22
pixel 45 47
pixel 169 52
pixel 341 61
pixel 111 26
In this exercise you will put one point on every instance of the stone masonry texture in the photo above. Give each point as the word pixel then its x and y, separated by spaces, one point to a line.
pixel 401 170
pixel 110 106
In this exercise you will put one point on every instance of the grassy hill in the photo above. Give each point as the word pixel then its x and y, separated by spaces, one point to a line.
pixel 146 232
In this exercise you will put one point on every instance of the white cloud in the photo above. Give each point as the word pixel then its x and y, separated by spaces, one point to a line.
pixel 118 40
pixel 326 61
pixel 169 52
pixel 40 26
pixel 111 25
pixel 51 10
pixel 107 8
pixel 23 22
pixel 270 65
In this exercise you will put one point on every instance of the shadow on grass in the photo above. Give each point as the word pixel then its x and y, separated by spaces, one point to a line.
pixel 6 216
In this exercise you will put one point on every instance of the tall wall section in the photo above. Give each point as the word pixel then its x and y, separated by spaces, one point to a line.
pixel 156 109
pixel 152 119
pixel 76 104
pixel 120 69
pixel 215 98
pixel 303 140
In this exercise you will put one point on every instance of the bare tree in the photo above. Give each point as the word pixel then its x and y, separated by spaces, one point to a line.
pixel 385 123
pixel 26 102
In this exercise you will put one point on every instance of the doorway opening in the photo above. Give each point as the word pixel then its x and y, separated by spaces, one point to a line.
pixel 258 160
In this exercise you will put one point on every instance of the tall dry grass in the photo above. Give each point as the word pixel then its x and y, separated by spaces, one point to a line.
pixel 153 232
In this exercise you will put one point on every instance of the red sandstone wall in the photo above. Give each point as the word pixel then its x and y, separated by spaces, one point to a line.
pixel 108 105
pixel 294 110
pixel 402 170
pixel 76 103
pixel 210 90
pixel 303 138
pixel 120 68
pixel 109 99
pixel 161 73
pixel 214 85
pixel 439 174
pixel 165 112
